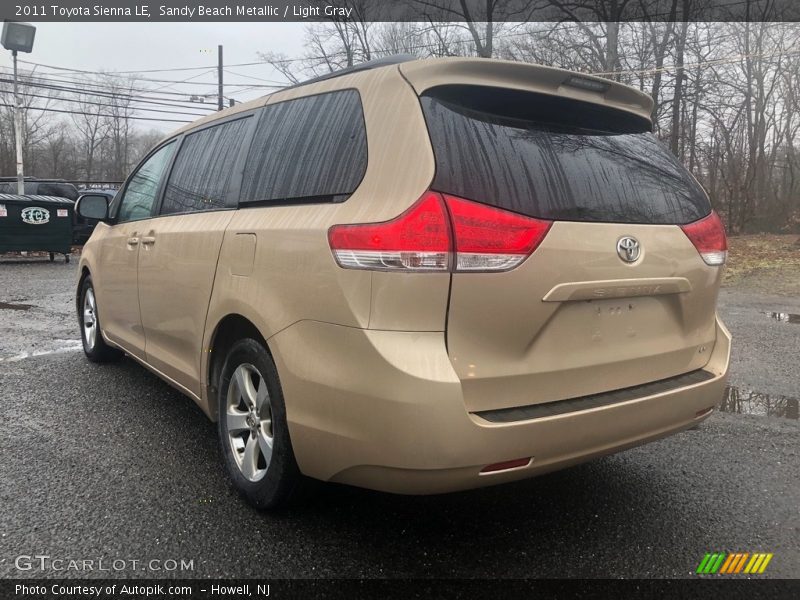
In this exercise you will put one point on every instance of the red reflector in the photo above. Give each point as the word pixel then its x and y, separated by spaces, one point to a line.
pixel 509 464
pixel 708 236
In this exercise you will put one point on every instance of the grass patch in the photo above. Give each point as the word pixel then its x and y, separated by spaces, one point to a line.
pixel 768 262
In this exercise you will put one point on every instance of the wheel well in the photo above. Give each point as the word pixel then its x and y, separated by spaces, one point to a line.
pixel 84 274
pixel 230 330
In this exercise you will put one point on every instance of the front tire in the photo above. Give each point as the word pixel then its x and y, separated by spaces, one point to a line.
pixel 253 431
pixel 94 346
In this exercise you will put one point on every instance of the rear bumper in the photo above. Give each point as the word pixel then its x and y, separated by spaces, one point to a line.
pixel 384 410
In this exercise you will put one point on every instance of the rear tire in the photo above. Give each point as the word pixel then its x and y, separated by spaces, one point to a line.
pixel 253 430
pixel 94 346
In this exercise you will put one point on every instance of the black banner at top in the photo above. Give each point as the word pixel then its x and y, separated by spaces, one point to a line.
pixel 399 10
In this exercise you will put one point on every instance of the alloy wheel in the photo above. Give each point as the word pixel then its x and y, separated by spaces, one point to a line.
pixel 249 422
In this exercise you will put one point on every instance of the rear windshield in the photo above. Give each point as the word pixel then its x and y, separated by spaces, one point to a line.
pixel 511 149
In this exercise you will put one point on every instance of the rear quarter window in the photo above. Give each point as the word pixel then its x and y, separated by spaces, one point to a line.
pixel 311 149
pixel 519 151
pixel 203 174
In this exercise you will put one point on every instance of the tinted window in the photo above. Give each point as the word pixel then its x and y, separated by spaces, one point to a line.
pixel 502 153
pixel 312 148
pixel 62 190
pixel 10 187
pixel 203 172
pixel 137 202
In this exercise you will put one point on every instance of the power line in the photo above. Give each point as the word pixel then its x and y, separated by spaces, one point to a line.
pixel 186 82
pixel 101 90
pixel 209 67
pixel 278 83
pixel 105 105
pixel 172 85
pixel 83 82
pixel 111 95
pixel 77 112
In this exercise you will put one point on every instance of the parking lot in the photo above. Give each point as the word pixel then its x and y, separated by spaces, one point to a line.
pixel 109 462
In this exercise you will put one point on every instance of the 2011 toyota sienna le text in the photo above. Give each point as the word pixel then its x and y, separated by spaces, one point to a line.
pixel 416 276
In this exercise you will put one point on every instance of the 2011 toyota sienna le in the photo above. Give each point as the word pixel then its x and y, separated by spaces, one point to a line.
pixel 416 276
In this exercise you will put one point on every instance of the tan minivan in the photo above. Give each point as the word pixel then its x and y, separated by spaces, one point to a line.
pixel 416 276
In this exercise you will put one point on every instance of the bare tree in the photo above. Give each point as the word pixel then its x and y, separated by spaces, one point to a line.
pixel 35 97
pixel 118 122
pixel 92 128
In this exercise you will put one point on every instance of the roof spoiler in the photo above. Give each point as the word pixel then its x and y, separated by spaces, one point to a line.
pixel 394 59
pixel 429 73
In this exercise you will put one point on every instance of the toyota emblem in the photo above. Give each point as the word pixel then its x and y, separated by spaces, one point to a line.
pixel 629 249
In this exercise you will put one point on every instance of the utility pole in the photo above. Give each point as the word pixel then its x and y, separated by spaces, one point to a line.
pixel 18 37
pixel 220 99
pixel 18 131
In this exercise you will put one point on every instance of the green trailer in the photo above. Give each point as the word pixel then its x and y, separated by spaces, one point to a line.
pixel 36 223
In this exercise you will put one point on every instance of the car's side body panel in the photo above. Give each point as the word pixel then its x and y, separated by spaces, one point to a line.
pixel 295 276
pixel 177 264
pixel 112 259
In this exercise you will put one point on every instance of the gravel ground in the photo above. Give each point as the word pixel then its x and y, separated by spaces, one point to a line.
pixel 765 350
pixel 108 461
pixel 37 306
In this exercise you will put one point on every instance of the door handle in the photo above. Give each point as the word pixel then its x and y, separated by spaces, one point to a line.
pixel 132 241
pixel 148 240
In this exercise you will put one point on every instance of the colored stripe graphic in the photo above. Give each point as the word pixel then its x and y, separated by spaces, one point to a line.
pixel 701 567
pixel 718 564
pixel 740 564
pixel 755 559
pixel 733 563
pixel 727 564
pixel 764 564
pixel 711 562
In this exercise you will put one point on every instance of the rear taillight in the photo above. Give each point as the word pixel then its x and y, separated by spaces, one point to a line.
pixel 439 233
pixel 417 240
pixel 490 239
pixel 708 236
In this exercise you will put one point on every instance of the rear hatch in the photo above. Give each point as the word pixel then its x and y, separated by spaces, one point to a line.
pixel 612 293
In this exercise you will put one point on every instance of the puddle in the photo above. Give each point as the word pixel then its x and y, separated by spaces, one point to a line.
pixel 783 317
pixel 10 306
pixel 743 401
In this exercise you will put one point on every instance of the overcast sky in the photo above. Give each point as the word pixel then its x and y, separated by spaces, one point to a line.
pixel 145 46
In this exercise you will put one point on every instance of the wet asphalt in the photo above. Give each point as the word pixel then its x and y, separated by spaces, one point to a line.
pixel 109 462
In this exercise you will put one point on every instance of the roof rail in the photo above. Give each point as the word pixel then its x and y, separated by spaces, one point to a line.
pixel 394 59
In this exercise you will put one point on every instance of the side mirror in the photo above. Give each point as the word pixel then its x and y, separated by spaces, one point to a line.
pixel 92 206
